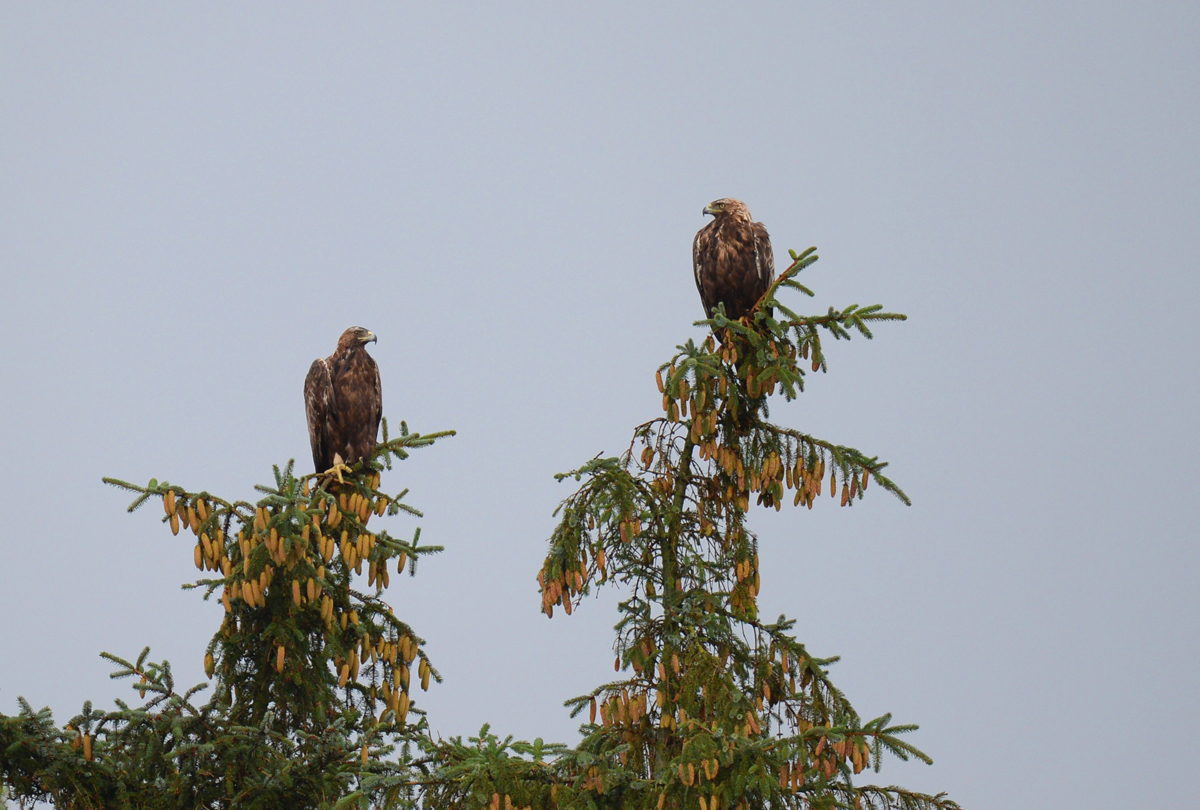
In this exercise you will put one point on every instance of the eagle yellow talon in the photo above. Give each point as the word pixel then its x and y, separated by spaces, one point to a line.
pixel 337 470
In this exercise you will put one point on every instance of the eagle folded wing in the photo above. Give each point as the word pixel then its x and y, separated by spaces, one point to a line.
pixel 764 258
pixel 320 408
pixel 378 404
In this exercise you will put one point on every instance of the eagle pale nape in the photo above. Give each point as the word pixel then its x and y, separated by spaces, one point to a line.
pixel 732 259
pixel 344 402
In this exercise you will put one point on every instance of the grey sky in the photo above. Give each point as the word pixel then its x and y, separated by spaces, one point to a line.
pixel 195 202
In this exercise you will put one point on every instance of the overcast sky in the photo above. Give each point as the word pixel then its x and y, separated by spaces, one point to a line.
pixel 195 202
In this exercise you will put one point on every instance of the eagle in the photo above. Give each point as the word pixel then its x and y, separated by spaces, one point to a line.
pixel 344 402
pixel 732 259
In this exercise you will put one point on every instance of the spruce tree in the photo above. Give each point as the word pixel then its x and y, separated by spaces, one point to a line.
pixel 714 708
pixel 312 672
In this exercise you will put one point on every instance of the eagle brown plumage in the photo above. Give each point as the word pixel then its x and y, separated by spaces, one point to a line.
pixel 732 259
pixel 344 402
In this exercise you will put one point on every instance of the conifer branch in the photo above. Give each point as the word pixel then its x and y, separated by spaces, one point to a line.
pixel 871 797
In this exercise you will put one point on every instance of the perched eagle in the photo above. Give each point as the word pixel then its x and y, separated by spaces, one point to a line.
pixel 732 259
pixel 344 402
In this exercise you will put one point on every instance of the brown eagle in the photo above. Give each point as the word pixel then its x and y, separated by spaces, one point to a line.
pixel 732 259
pixel 344 402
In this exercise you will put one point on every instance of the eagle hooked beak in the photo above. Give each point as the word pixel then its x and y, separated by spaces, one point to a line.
pixel 369 337
pixel 708 209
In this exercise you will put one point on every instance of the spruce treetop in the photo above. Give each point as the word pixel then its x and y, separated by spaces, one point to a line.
pixel 712 707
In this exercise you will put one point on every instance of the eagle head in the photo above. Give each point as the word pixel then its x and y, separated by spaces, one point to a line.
pixel 728 207
pixel 356 336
